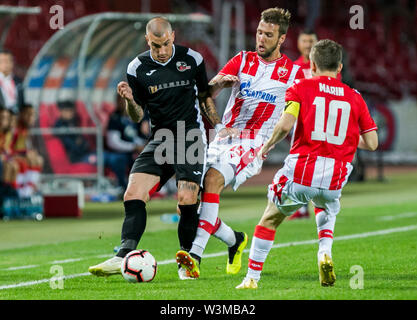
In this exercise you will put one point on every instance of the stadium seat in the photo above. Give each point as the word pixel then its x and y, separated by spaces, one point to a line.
pixel 58 158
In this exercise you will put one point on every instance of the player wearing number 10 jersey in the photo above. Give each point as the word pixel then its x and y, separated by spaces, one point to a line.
pixel 331 121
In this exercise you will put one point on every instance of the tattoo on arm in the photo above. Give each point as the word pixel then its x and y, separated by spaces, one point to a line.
pixel 134 111
pixel 208 109
pixel 214 86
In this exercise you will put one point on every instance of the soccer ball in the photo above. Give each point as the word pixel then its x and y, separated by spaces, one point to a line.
pixel 139 266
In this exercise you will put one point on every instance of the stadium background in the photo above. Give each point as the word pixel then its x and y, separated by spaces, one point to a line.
pixel 49 60
pixel 380 63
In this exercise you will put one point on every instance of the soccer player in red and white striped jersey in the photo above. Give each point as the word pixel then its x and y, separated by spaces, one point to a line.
pixel 331 121
pixel 259 81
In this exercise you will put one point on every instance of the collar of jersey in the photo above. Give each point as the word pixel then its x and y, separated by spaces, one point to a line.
pixel 269 62
pixel 165 63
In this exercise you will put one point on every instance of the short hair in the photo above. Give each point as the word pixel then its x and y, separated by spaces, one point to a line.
pixel 308 32
pixel 327 55
pixel 158 26
pixel 278 16
pixel 5 51
pixel 25 106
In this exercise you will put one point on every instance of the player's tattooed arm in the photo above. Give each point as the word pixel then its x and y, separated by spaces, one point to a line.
pixel 134 111
pixel 208 109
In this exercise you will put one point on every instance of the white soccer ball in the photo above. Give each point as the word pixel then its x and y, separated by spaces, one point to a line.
pixel 139 266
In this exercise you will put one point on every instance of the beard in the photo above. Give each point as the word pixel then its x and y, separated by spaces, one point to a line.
pixel 267 53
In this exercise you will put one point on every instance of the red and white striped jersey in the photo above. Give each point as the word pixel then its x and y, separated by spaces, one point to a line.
pixel 257 101
pixel 331 118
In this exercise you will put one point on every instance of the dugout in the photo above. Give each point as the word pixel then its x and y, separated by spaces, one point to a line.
pixel 82 63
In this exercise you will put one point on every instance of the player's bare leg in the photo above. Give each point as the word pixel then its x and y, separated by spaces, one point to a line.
pixel 262 242
pixel 135 198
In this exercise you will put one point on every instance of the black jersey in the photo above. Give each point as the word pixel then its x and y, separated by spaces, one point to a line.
pixel 169 90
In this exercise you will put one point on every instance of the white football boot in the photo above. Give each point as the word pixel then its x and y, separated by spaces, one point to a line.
pixel 184 274
pixel 248 283
pixel 107 268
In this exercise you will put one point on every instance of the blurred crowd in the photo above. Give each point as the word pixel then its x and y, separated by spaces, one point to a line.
pixel 20 163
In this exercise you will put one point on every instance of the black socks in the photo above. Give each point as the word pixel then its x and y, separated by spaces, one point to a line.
pixel 135 222
pixel 133 226
pixel 187 225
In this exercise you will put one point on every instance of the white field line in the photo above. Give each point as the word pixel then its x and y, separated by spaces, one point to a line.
pixel 383 218
pixel 35 282
pixel 218 254
pixel 398 216
pixel 108 255
pixel 22 267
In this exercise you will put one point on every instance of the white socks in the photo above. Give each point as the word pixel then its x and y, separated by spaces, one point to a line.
pixel 262 242
pixel 210 224
pixel 325 227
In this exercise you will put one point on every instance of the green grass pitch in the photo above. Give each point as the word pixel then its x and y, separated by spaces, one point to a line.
pixel 376 232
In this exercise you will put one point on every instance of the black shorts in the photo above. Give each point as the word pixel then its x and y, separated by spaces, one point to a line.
pixel 174 155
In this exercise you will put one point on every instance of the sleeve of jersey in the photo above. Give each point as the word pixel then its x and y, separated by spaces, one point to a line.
pixel 299 74
pixel 233 65
pixel 366 123
pixel 201 77
pixel 292 101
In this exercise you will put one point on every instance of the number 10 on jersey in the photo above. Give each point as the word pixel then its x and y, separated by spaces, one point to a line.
pixel 334 117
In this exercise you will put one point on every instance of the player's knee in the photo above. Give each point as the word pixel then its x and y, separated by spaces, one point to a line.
pixel 272 217
pixel 187 197
pixel 135 195
pixel 187 192
pixel 213 181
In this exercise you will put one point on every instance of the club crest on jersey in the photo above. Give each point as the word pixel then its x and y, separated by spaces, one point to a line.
pixel 246 91
pixel 153 89
pixel 282 72
pixel 182 66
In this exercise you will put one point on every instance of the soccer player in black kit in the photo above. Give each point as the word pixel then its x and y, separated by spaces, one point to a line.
pixel 170 81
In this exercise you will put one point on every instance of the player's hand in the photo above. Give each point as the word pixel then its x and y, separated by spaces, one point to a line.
pixel 228 80
pixel 125 91
pixel 229 132
pixel 263 153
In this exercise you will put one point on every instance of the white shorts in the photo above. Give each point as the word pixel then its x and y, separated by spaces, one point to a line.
pixel 289 196
pixel 235 159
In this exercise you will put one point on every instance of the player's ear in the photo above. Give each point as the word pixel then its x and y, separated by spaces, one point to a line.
pixel 282 39
pixel 340 68
pixel 313 67
pixel 173 36
pixel 147 39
